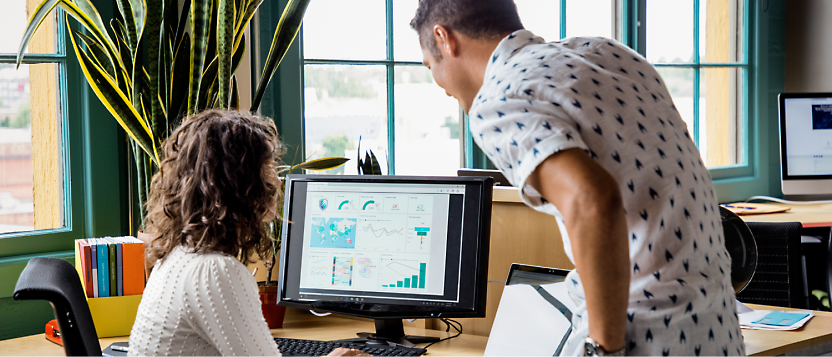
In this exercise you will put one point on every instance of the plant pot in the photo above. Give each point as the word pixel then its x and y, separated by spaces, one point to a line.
pixel 271 312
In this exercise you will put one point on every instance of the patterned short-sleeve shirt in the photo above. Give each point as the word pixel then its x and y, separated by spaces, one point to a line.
pixel 595 94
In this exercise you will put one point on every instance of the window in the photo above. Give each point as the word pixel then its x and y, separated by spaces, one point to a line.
pixel 31 130
pixel 698 47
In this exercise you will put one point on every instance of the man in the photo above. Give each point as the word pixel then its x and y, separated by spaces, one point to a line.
pixel 587 131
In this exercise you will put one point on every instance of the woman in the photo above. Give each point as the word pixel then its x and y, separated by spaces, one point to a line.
pixel 214 190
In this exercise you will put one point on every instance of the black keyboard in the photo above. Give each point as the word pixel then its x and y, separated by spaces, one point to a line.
pixel 294 347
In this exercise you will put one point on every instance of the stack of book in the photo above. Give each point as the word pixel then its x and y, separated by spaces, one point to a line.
pixel 111 266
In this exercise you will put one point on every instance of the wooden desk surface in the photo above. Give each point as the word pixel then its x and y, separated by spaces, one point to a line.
pixel 814 215
pixel 323 328
pixel 758 342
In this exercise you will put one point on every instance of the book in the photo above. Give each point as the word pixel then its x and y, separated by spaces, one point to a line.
pixel 103 268
pixel 119 268
pixel 113 266
pixel 132 265
pixel 86 268
pixel 94 266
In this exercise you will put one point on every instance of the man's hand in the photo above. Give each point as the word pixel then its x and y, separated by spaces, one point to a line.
pixel 341 351
pixel 591 204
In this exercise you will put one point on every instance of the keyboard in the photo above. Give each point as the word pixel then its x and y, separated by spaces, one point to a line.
pixel 295 347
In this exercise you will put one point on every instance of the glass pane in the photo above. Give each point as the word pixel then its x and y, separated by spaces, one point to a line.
pixel 589 18
pixel 427 136
pixel 331 31
pixel 720 125
pixel 343 103
pixel 30 143
pixel 720 31
pixel 405 40
pixel 541 17
pixel 13 20
pixel 679 82
pixel 670 31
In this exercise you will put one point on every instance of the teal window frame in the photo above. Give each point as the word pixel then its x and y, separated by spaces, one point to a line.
pixel 763 55
pixel 94 159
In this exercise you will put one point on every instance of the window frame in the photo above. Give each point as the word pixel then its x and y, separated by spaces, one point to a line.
pixel 763 52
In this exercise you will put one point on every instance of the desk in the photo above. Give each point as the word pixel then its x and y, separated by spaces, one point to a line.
pixel 814 215
pixel 816 333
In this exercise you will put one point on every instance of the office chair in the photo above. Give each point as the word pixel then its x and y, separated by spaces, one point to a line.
pixel 779 278
pixel 740 244
pixel 56 281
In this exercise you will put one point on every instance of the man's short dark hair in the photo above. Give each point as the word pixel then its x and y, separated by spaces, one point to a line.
pixel 478 19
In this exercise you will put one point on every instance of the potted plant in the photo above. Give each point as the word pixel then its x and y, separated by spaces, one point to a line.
pixel 156 64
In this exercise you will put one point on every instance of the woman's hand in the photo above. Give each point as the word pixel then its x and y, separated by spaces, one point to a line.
pixel 341 351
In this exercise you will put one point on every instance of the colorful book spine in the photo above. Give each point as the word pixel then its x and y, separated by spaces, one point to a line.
pixel 94 266
pixel 103 268
pixel 113 260
pixel 120 268
pixel 86 266
pixel 133 265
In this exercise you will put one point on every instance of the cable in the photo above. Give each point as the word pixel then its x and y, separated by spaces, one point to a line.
pixel 320 314
pixel 780 200
pixel 449 323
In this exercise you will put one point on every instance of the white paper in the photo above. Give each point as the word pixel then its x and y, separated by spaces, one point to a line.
pixel 747 320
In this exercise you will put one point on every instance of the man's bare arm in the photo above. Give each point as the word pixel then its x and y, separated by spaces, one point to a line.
pixel 591 204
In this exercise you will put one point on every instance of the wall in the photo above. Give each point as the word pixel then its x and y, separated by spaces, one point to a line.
pixel 808 46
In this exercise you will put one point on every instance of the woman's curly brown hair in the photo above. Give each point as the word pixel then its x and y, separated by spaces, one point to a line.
pixel 216 185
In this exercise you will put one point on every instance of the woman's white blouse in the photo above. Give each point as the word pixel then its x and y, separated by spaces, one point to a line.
pixel 201 304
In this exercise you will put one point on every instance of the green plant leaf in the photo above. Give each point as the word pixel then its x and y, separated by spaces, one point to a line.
pixel 130 25
pixel 116 102
pixel 245 17
pixel 326 163
pixel 225 50
pixel 155 54
pixel 85 13
pixel 208 84
pixel 287 29
pixel 41 11
pixel 200 19
pixel 179 82
pixel 99 53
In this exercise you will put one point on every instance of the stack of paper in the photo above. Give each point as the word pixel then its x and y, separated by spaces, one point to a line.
pixel 774 320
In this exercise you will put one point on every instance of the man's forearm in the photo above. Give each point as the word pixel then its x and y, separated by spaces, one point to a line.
pixel 601 253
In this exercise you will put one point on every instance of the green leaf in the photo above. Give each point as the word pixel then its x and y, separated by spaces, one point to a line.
pixel 130 24
pixel 155 58
pixel 326 163
pixel 287 29
pixel 41 11
pixel 200 19
pixel 179 82
pixel 99 53
pixel 85 13
pixel 208 86
pixel 225 49
pixel 242 21
pixel 116 102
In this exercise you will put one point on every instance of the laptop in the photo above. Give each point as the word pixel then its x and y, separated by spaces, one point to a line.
pixel 535 313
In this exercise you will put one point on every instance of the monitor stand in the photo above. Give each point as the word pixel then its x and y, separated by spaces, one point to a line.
pixel 390 331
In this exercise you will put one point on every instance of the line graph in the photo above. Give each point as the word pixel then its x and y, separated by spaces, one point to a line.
pixel 383 231
pixel 402 273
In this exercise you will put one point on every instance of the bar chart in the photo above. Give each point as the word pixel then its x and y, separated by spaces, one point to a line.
pixel 403 273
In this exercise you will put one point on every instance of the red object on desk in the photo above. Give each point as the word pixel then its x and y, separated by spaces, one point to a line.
pixel 52 332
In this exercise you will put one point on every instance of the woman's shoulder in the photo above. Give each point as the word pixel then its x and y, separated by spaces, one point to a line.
pixel 211 262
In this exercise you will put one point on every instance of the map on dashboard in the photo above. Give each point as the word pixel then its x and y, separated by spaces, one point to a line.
pixel 333 233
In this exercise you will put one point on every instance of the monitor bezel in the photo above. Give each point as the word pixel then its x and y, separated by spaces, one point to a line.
pixel 483 185
pixel 784 162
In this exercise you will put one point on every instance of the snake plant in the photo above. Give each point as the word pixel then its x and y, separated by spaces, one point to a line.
pixel 156 64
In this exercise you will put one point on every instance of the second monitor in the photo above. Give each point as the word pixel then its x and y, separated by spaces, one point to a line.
pixel 386 248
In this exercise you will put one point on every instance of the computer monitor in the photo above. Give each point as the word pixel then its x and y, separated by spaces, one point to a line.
pixel 386 248
pixel 806 144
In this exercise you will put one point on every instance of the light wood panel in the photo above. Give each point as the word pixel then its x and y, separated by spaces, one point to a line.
pixel 814 215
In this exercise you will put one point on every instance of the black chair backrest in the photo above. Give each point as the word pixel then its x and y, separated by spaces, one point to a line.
pixel 778 280
pixel 56 281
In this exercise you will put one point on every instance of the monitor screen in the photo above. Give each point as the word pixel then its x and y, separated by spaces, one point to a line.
pixel 807 131
pixel 386 246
